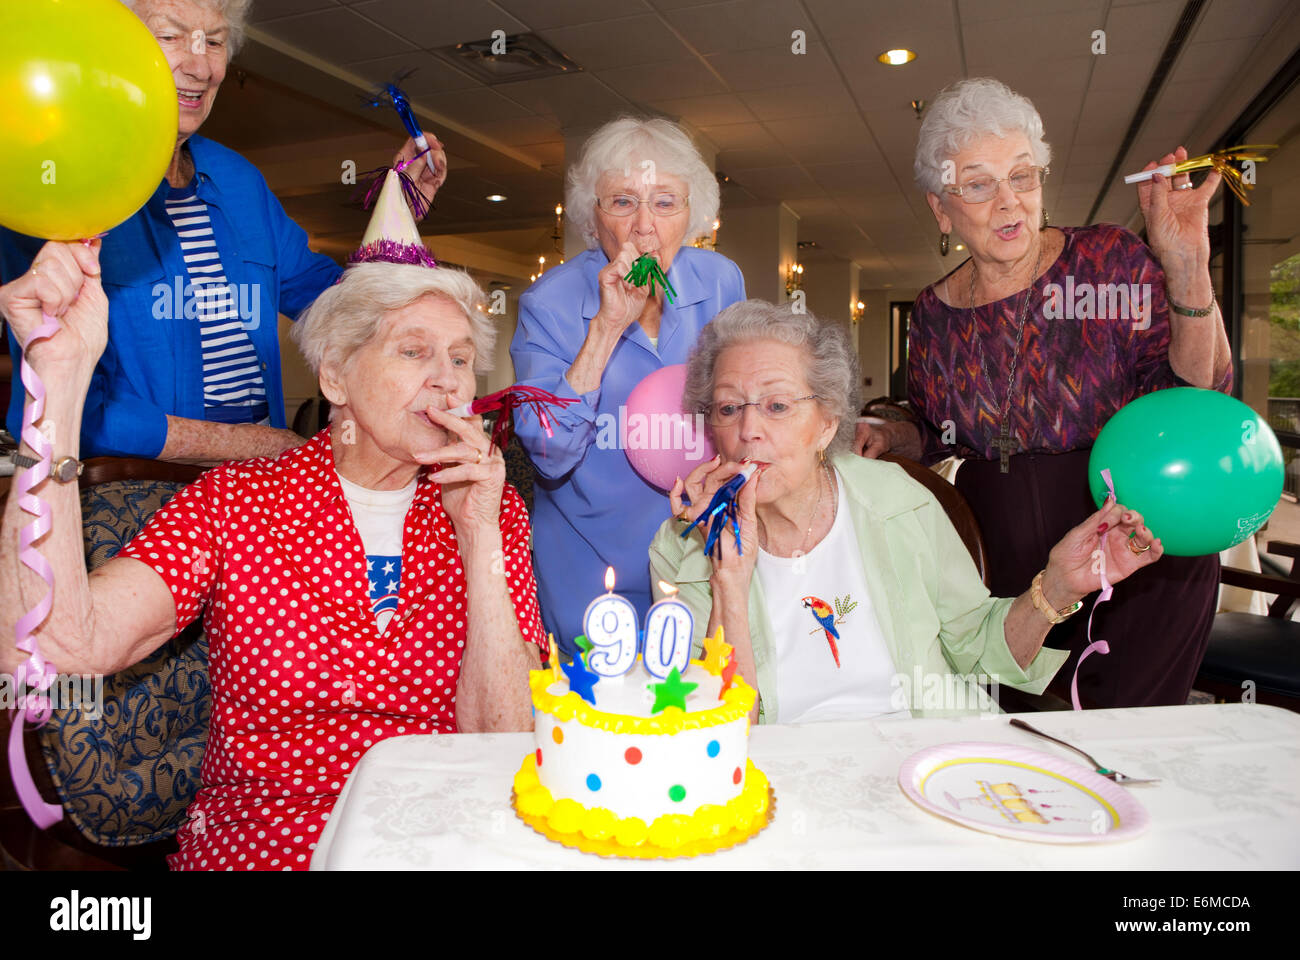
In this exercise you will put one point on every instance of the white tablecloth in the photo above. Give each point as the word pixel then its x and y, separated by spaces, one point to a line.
pixel 1230 798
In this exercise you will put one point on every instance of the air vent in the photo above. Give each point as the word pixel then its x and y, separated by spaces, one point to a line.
pixel 524 56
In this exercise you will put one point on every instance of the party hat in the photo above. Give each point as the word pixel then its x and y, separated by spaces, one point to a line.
pixel 391 236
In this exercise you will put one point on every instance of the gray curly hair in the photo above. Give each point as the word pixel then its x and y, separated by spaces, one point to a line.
pixel 831 369
pixel 234 12
pixel 965 112
pixel 618 148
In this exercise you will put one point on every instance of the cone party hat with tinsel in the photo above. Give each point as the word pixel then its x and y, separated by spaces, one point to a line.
pixel 392 236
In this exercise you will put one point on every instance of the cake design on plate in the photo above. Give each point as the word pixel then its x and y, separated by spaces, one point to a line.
pixel 631 768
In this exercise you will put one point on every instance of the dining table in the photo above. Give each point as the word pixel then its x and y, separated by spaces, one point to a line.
pixel 1228 798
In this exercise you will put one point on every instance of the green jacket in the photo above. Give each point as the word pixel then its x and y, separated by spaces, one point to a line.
pixel 942 628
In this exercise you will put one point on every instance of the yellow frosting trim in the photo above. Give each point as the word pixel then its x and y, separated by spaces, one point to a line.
pixel 597 830
pixel 737 701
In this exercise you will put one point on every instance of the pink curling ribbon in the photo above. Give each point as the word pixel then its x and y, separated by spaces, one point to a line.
pixel 36 708
pixel 1099 646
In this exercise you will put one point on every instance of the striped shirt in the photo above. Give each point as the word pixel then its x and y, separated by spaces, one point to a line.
pixel 233 389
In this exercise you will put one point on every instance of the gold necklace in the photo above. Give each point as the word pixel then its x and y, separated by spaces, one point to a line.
pixel 811 520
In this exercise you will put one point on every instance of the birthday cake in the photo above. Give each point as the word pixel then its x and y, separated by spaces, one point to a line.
pixel 632 766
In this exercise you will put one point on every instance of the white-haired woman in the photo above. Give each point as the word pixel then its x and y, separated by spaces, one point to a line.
pixel 196 277
pixel 850 580
pixel 639 187
pixel 348 592
pixel 1027 348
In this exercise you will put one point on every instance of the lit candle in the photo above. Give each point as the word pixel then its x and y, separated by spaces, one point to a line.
pixel 610 625
pixel 669 628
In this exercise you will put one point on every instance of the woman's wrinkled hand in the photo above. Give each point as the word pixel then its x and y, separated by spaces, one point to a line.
pixel 430 171
pixel 1178 218
pixel 472 475
pixel 1074 564
pixel 729 565
pixel 621 302
pixel 63 282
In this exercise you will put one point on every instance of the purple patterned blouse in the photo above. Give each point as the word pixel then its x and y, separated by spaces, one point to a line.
pixel 1096 337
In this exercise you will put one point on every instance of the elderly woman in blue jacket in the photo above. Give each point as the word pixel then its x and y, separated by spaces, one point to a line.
pixel 639 187
pixel 196 278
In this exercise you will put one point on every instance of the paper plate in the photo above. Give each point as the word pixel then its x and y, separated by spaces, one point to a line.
pixel 1020 793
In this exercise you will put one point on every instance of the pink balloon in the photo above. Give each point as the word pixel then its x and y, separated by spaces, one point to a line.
pixel 663 443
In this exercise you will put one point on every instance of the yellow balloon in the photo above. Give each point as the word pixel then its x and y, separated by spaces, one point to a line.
pixel 88 116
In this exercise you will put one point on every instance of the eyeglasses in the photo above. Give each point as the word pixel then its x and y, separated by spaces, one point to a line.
pixel 661 204
pixel 776 407
pixel 984 188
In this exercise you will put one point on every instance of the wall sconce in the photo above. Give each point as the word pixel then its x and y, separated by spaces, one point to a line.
pixel 858 310
pixel 793 278
pixel 708 243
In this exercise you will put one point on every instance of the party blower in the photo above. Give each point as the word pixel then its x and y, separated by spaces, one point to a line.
pixel 370 182
pixel 1220 160
pixel 723 508
pixel 509 400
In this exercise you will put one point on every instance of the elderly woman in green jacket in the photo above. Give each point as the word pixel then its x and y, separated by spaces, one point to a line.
pixel 851 595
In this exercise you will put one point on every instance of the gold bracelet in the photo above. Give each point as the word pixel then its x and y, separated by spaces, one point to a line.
pixel 1045 608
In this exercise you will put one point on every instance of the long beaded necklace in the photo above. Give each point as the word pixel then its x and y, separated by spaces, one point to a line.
pixel 1005 442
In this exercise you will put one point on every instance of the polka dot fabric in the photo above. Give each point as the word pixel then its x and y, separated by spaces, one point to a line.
pixel 302 684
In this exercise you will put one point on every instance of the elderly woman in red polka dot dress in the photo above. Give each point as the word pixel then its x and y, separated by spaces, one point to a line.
pixel 349 592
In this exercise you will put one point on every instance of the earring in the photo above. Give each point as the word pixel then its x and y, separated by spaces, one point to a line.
pixel 1046 219
pixel 821 456
pixel 943 244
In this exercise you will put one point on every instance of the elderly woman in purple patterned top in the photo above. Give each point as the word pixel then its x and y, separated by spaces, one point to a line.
pixel 1006 372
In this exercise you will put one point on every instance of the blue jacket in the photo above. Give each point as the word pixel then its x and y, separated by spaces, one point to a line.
pixel 153 365
pixel 590 508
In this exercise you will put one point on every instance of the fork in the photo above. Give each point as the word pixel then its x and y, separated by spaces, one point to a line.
pixel 1114 775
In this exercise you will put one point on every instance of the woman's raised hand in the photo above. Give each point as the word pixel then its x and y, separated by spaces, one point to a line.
pixel 700 486
pixel 1114 533
pixel 621 302
pixel 472 476
pixel 1178 218
pixel 64 283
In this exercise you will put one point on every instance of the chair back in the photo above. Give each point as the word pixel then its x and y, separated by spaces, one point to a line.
pixel 955 505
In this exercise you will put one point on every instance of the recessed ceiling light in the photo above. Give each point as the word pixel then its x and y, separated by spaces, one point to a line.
pixel 495 197
pixel 896 58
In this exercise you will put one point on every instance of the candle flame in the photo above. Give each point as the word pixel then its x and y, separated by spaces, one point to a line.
pixel 609 579
pixel 668 589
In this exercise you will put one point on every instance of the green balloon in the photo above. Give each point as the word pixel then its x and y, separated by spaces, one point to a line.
pixel 1201 467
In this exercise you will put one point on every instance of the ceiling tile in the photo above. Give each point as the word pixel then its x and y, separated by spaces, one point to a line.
pixel 706 111
pixel 683 78
pixel 274 9
pixel 577 99
pixel 741 25
pixel 774 67
pixel 737 136
pixel 337 35
pixel 438 23
pixel 430 75
pixel 471 107
pixel 780 183
pixel 737 161
pixel 617 43
pixel 798 100
pixel 544 14
pixel 1228 20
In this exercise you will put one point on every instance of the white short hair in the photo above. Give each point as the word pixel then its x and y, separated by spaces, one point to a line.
pixel 347 315
pixel 617 148
pixel 234 12
pixel 963 113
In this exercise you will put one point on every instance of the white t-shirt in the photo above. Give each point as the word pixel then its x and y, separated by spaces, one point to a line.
pixel 808 598
pixel 380 516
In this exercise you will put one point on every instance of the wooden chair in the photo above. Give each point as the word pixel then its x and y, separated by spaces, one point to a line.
pixel 1256 655
pixel 121 832
pixel 955 505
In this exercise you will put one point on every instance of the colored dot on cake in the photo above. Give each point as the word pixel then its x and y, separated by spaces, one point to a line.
pixel 593 782
pixel 557 734
pixel 677 793
pixel 735 777
pixel 714 747
pixel 632 755
pixel 539 756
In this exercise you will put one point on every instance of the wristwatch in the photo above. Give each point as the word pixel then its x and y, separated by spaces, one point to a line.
pixel 65 469
pixel 1045 608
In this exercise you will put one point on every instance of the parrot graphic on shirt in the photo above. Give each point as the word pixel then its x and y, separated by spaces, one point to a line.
pixel 826 617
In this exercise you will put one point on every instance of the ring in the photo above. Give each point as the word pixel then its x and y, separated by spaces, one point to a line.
pixel 1184 186
pixel 480 458
pixel 683 517
pixel 1132 545
pixel 36 268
